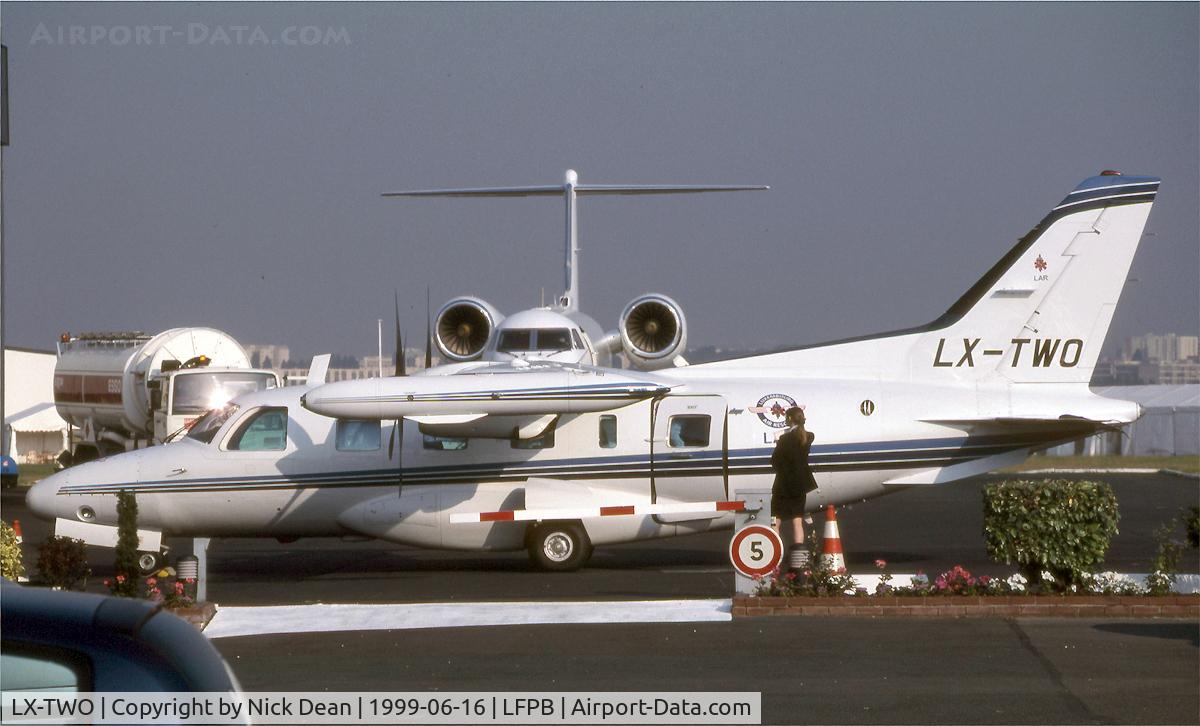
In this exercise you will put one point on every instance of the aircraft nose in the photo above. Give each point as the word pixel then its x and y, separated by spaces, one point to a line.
pixel 42 496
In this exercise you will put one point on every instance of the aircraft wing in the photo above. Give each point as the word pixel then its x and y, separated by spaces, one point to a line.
pixel 538 389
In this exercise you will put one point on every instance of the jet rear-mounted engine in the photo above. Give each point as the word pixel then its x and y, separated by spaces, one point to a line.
pixel 653 331
pixel 464 326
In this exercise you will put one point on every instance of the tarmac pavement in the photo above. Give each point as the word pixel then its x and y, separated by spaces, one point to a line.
pixel 809 670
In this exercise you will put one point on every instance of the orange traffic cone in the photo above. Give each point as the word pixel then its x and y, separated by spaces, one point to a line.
pixel 17 530
pixel 831 545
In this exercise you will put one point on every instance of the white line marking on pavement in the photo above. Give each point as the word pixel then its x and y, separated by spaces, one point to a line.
pixel 237 621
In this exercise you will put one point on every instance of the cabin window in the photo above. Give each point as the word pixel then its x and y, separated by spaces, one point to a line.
pixel 689 430
pixel 515 340
pixel 207 426
pixel 356 435
pixel 544 441
pixel 608 432
pixel 554 339
pixel 266 430
pixel 443 443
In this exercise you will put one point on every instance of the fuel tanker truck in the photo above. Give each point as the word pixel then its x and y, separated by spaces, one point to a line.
pixel 125 391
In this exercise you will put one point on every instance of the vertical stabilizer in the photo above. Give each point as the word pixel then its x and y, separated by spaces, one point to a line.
pixel 1040 315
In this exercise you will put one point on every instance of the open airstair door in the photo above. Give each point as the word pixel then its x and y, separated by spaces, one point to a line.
pixel 689 459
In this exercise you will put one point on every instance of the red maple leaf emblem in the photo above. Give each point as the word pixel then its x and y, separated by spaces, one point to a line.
pixel 1040 264
pixel 778 410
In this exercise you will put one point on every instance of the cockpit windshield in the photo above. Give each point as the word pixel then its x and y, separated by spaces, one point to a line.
pixel 554 339
pixel 206 428
pixel 515 341
pixel 197 392
pixel 520 340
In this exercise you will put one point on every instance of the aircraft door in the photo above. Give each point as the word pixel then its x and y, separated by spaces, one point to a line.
pixel 689 452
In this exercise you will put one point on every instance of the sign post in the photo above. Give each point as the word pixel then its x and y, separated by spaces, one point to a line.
pixel 756 548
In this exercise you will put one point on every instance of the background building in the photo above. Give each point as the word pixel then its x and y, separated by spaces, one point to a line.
pixel 1169 426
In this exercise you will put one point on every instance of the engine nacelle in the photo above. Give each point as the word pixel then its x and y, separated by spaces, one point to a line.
pixel 463 328
pixel 653 331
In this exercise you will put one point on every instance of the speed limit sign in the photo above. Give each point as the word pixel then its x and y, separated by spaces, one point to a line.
pixel 755 550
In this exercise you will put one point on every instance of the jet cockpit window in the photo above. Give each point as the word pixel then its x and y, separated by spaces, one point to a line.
pixel 554 339
pixel 207 426
pixel 443 443
pixel 578 341
pixel 515 341
pixel 689 430
pixel 356 435
pixel 265 430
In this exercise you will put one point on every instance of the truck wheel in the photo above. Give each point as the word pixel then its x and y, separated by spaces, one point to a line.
pixel 559 546
pixel 151 562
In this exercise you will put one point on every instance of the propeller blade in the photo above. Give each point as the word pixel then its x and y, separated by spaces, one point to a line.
pixel 401 364
pixel 428 334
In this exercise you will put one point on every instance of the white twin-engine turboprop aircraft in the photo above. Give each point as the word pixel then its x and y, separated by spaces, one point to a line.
pixel 530 451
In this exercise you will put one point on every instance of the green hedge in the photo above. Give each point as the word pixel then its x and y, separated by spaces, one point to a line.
pixel 1058 526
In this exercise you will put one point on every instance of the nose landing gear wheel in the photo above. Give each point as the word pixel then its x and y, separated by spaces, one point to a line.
pixel 559 546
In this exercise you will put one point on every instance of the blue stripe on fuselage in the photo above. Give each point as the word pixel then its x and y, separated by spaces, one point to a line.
pixel 824 457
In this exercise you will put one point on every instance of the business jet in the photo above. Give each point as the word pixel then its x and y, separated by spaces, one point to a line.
pixel 557 457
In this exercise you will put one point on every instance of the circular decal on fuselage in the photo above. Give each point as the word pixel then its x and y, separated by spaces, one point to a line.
pixel 772 407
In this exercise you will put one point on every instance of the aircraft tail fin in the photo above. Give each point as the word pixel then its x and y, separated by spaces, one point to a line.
pixel 1040 314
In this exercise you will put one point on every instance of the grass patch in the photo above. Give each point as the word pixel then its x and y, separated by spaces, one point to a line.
pixel 33 473
pixel 1190 464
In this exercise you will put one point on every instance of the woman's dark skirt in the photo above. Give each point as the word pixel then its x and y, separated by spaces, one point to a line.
pixel 787 507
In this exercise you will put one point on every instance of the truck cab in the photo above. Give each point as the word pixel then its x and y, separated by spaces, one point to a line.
pixel 184 395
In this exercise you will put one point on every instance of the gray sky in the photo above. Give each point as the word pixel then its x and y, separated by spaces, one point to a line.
pixel 183 164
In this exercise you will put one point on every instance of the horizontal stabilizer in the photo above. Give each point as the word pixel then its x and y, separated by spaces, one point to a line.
pixel 1066 424
pixel 581 189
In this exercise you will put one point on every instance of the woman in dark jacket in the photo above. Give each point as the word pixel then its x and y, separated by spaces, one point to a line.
pixel 793 477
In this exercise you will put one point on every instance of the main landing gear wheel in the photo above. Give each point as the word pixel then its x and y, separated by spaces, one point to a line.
pixel 150 562
pixel 559 546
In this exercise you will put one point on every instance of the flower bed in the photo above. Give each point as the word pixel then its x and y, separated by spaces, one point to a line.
pixel 974 606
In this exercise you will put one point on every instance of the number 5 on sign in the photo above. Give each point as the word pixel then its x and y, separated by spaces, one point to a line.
pixel 755 550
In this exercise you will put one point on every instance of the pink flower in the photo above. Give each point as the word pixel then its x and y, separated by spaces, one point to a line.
pixel 790 576
pixel 108 583
pixel 880 564
pixel 179 588
pixel 120 578
pixel 151 581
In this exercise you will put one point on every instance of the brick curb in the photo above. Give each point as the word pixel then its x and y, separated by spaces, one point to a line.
pixel 198 616
pixel 1000 606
